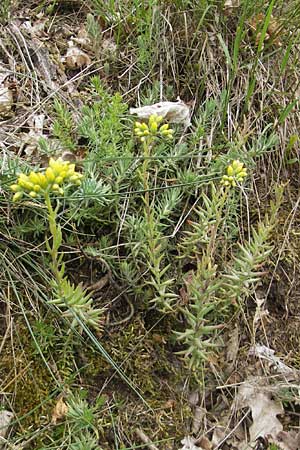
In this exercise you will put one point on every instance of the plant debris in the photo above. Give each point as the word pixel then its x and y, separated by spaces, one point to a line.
pixel 173 112
pixel 59 412
pixel 5 420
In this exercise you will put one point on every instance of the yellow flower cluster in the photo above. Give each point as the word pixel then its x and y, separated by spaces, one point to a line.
pixel 236 172
pixel 57 173
pixel 153 128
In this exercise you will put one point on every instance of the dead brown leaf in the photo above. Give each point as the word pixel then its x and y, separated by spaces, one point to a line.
pixel 44 65
pixel 228 4
pixel 6 100
pixel 198 418
pixel 6 93
pixel 274 362
pixel 263 408
pixel 219 435
pixel 5 419
pixel 273 29
pixel 37 29
pixel 188 443
pixel 287 440
pixel 30 141
pixel 75 58
pixel 59 412
pixel 83 38
pixel 204 443
pixel 109 48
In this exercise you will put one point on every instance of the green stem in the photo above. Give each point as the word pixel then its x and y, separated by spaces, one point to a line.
pixel 145 175
pixel 55 231
pixel 152 232
pixel 222 198
pixel 149 213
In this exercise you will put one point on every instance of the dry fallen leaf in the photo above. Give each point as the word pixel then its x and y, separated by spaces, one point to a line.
pixel 109 47
pixel 76 58
pixel 37 29
pixel 59 412
pixel 5 419
pixel 31 140
pixel 83 38
pixel 44 63
pixel 273 29
pixel 198 418
pixel 219 435
pixel 173 112
pixel 6 100
pixel 261 314
pixel 268 354
pixel 263 408
pixel 287 440
pixel 188 443
pixel 6 94
pixel 204 443
pixel 231 4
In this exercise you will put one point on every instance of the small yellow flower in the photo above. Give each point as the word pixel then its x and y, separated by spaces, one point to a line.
pixel 50 174
pixel 153 128
pixel 141 130
pixel 43 182
pixel 17 196
pixel 57 173
pixel 230 171
pixel 154 121
pixel 34 178
pixel 15 188
pixel 235 173
pixel 164 127
pixel 165 131
pixel 24 182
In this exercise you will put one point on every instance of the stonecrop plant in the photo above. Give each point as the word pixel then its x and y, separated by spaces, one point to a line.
pixel 162 296
pixel 47 185
pixel 215 292
pixel 149 230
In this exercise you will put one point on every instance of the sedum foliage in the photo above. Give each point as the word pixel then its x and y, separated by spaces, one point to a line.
pixel 152 207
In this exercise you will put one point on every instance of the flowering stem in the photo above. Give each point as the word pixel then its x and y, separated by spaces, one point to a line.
pixel 145 176
pixel 56 234
pixel 221 200
pixel 73 300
